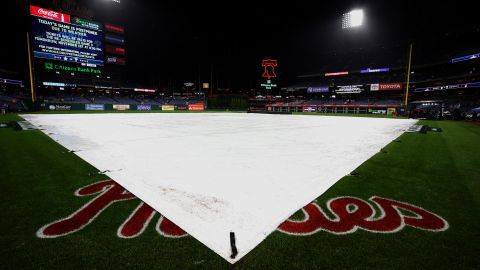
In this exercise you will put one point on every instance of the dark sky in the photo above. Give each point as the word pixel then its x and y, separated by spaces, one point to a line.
pixel 235 36
pixel 170 41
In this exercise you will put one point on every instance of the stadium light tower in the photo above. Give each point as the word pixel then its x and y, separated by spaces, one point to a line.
pixel 352 19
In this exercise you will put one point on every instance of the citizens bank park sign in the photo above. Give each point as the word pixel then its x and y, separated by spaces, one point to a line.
pixel 340 215
pixel 59 67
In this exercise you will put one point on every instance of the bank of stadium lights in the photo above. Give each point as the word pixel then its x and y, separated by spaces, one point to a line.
pixel 353 18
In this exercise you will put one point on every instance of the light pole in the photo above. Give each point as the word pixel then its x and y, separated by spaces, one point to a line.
pixel 30 70
pixel 408 76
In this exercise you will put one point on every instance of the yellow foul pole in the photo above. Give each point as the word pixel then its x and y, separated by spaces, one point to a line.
pixel 30 69
pixel 408 74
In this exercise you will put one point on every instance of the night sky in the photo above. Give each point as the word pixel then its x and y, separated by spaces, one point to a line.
pixel 171 41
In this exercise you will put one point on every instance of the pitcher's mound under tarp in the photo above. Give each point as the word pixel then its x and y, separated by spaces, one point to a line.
pixel 213 174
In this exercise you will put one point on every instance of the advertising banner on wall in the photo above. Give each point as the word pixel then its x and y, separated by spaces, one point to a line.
pixel 386 86
pixel 374 70
pixel 121 107
pixel 94 107
pixel 114 39
pixel 390 86
pixel 336 73
pixel 182 108
pixel 145 90
pixel 116 60
pixel 447 87
pixel 317 89
pixel 68 68
pixel 375 111
pixel 196 107
pixel 114 28
pixel 115 50
pixel 49 14
pixel 349 89
pixel 309 109
pixel 168 108
pixel 61 107
pixel 144 107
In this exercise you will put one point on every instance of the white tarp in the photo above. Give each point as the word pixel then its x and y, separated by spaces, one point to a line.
pixel 216 173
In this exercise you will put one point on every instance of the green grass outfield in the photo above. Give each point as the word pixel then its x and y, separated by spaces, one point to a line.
pixel 438 171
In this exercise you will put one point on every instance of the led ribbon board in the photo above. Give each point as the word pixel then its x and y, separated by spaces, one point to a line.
pixel 374 70
pixel 317 89
pixel 465 58
pixel 448 87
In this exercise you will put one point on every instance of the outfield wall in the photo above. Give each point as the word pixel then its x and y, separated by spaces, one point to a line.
pixel 119 107
pixel 350 108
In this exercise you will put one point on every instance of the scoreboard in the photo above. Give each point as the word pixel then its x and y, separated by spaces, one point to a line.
pixel 63 37
pixel 59 36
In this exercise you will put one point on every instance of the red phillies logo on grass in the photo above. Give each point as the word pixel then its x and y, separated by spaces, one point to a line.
pixel 353 213
pixel 109 192
pixel 350 214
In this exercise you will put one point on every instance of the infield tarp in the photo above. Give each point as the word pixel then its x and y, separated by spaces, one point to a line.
pixel 215 173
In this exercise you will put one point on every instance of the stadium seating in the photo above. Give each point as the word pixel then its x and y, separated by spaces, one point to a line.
pixel 12 103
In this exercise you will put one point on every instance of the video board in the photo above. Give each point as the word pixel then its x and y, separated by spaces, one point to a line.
pixel 60 36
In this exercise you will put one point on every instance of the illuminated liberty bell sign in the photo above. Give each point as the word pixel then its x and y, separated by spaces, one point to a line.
pixel 269 66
